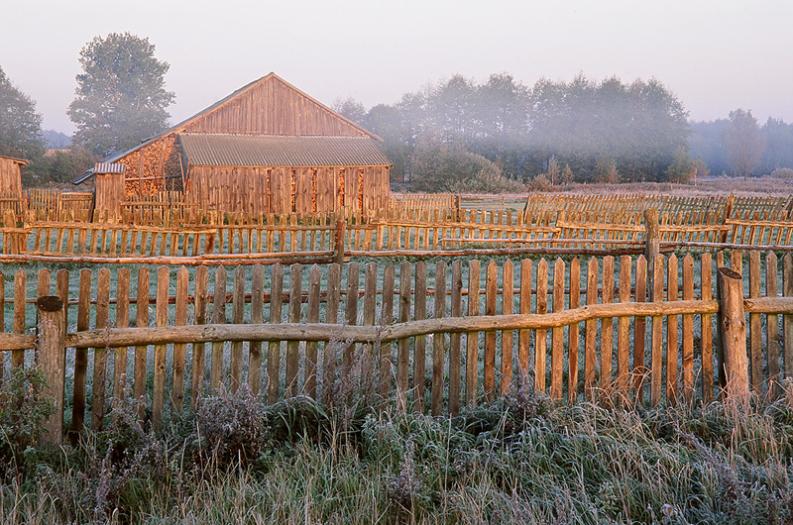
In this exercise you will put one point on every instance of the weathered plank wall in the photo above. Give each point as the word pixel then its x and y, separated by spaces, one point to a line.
pixel 10 178
pixel 301 190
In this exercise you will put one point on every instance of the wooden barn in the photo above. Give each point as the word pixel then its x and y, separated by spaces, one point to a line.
pixel 266 148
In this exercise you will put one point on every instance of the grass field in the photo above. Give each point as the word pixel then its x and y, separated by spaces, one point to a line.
pixel 520 460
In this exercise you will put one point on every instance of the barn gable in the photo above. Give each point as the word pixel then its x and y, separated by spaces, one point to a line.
pixel 272 106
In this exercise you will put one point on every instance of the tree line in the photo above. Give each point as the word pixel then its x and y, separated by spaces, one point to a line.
pixel 454 135
pixel 120 101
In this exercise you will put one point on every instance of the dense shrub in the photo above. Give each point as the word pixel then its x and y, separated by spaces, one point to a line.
pixel 231 427
pixel 22 415
pixel 449 169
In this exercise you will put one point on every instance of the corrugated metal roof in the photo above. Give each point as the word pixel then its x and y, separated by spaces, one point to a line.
pixel 257 150
pixel 109 167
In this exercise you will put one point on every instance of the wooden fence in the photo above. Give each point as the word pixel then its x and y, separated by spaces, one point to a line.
pixel 428 233
pixel 432 337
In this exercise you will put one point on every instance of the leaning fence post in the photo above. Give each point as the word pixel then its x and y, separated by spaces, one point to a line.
pixel 732 330
pixel 51 358
pixel 341 226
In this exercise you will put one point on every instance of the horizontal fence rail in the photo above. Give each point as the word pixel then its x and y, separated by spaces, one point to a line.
pixel 432 337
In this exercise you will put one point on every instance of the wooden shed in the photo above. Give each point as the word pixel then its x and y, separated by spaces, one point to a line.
pixel 266 148
pixel 11 176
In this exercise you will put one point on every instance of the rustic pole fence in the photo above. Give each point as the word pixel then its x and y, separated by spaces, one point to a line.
pixel 51 357
pixel 732 331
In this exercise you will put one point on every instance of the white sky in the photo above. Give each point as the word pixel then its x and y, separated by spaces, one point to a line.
pixel 716 55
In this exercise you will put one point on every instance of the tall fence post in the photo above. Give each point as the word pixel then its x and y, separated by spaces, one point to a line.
pixel 732 330
pixel 652 244
pixel 341 226
pixel 51 357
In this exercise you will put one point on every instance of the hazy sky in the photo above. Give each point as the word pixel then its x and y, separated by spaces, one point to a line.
pixel 716 55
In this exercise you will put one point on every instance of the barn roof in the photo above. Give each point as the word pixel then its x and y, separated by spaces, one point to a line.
pixel 21 162
pixel 258 150
pixel 100 167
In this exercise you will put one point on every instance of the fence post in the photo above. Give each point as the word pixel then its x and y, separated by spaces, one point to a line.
pixel 652 244
pixel 732 330
pixel 51 358
pixel 728 208
pixel 341 226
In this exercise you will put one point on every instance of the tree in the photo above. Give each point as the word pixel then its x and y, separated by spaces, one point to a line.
pixel 640 126
pixel 62 166
pixel 744 142
pixel 778 137
pixel 682 170
pixel 121 96
pixel 20 125
pixel 706 142
pixel 350 109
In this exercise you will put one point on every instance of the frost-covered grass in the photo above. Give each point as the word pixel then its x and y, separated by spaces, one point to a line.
pixel 522 459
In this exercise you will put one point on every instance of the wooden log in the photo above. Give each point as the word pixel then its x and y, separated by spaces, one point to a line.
pixel 557 335
pixel 331 316
pixel 507 280
pixel 219 317
pixel 540 344
pixel 572 336
pixel 755 327
pixel 706 286
pixel 438 340
pixel 455 340
pixel 113 337
pixel 524 335
pixel 491 289
pixel 688 331
pixel 787 322
pixel 18 356
pixel 590 330
pixel 314 281
pixel 122 321
pixel 623 329
pixel 640 330
pixel 672 332
pixel 772 328
pixel 338 242
pixel 237 316
pixel 733 334
pixel 81 355
pixel 98 384
pixel 403 357
pixel 607 326
pixel 160 350
pixel 652 237
pixel 384 359
pixel 199 349
pixel 656 351
pixel 472 339
pixel 51 356
pixel 141 321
